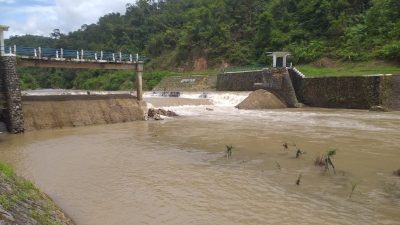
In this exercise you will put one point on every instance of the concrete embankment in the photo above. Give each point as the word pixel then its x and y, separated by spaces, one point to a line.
pixel 358 92
pixel 43 112
pixel 22 203
pixel 187 83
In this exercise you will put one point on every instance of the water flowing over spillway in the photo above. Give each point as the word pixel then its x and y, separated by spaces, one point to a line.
pixel 175 171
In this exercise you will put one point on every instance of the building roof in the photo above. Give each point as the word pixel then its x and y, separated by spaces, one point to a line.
pixel 279 54
pixel 4 27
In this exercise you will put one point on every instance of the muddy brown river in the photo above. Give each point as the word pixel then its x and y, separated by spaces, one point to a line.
pixel 175 171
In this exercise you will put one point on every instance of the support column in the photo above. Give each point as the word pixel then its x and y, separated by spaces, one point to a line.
pixel 139 82
pixel 274 60
pixel 284 61
pixel 13 114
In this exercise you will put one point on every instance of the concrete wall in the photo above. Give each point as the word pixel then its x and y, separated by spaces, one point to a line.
pixel 359 92
pixel 341 92
pixel 200 83
pixel 44 112
pixel 239 81
pixel 9 79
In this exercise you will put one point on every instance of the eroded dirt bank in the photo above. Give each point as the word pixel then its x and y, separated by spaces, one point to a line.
pixel 43 112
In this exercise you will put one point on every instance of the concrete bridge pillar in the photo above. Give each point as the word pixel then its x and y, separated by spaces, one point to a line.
pixel 10 91
pixel 139 82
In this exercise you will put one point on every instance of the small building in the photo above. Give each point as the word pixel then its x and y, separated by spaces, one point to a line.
pixel 279 59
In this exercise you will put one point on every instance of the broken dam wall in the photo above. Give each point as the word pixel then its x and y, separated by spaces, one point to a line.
pixel 49 112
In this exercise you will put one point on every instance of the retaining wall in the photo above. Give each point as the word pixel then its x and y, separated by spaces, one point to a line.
pixel 359 92
pixel 239 81
pixel 11 94
pixel 187 83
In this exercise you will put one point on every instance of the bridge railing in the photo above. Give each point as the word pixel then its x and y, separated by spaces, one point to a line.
pixel 68 54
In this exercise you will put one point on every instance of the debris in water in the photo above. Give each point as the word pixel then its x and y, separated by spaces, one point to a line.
pixel 157 113
pixel 209 109
pixel 298 180
pixel 285 146
pixel 397 173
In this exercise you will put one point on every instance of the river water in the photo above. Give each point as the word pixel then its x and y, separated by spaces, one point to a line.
pixel 175 171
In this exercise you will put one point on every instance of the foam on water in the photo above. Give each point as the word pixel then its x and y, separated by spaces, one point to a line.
pixel 230 99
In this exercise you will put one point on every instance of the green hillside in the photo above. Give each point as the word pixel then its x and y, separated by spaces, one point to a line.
pixel 180 33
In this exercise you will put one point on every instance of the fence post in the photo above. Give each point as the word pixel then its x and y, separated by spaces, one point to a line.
pixel 40 52
pixel 62 53
pixel 120 57
pixel 101 55
pixel 113 55
pixel 81 54
pixel 15 50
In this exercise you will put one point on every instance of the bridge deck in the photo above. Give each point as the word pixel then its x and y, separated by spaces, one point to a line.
pixel 79 64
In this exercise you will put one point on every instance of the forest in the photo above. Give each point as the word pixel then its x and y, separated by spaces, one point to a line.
pixel 175 34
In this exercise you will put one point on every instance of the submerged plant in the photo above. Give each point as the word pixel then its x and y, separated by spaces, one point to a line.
pixel 326 160
pixel 228 151
pixel 299 153
pixel 278 166
pixel 353 188
pixel 285 146
pixel 298 181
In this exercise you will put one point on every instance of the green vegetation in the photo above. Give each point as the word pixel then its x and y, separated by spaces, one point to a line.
pixel 21 198
pixel 177 34
pixel 350 69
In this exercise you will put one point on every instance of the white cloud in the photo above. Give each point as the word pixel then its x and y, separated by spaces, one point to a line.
pixel 67 15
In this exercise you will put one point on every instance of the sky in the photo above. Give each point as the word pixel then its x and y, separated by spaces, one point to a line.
pixel 41 17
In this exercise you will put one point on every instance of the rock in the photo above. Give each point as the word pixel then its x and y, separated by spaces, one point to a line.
pixel 157 117
pixel 5 216
pixel 299 105
pixel 158 113
pixel 378 108
pixel 262 99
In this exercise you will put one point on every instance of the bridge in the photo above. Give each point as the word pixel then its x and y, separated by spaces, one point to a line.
pixel 22 56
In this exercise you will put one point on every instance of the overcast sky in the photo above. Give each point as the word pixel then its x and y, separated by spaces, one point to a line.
pixel 40 17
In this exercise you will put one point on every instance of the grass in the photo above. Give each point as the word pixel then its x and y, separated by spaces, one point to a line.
pixel 24 193
pixel 349 69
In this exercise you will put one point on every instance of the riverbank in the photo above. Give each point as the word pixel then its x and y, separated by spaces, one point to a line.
pixel 21 202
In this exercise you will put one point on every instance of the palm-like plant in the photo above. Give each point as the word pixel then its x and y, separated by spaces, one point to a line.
pixel 326 160
pixel 228 152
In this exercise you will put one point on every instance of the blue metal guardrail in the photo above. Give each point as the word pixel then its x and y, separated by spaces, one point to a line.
pixel 52 53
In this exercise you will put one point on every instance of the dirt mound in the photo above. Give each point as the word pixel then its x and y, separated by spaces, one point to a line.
pixel 262 99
